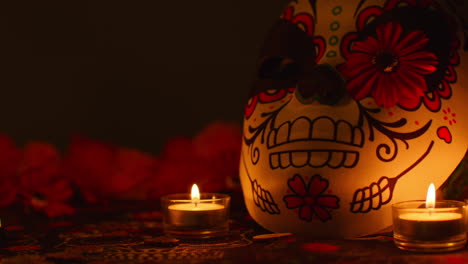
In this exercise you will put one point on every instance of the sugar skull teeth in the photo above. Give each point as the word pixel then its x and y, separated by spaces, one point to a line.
pixel 374 196
pixel 380 193
pixel 263 198
pixel 320 129
pixel 336 147
pixel 313 158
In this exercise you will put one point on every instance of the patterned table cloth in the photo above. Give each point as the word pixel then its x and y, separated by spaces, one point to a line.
pixel 122 234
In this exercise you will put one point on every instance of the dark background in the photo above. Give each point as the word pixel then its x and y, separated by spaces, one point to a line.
pixel 134 73
pixel 130 72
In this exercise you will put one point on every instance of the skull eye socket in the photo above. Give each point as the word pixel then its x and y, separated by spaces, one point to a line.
pixel 287 51
pixel 278 68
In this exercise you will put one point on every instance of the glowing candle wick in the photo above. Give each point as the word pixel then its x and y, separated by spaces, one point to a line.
pixel 430 198
pixel 195 194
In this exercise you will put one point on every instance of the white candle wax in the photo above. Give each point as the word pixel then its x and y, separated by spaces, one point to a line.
pixel 203 215
pixel 431 216
pixel 199 215
pixel 430 225
pixel 198 207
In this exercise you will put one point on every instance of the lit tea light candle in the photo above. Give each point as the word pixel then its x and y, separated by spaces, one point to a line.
pixel 203 215
pixel 197 213
pixel 429 225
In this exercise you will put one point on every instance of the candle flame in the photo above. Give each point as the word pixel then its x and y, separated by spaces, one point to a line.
pixel 430 198
pixel 195 194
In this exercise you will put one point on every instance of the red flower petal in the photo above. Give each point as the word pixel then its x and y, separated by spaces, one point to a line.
pixel 412 42
pixel 317 185
pixel 293 201
pixel 408 95
pixel 305 213
pixel 57 209
pixel 423 56
pixel 388 35
pixel 367 86
pixel 420 62
pixel 321 213
pixel 444 90
pixel 329 201
pixel 382 93
pixel 432 102
pixel 58 191
pixel 409 85
pixel 412 79
pixel 409 103
pixel 358 87
pixel 9 193
pixel 131 172
pixel 369 46
pixel 392 89
pixel 422 69
pixel 357 63
pixel 41 163
pixel 297 185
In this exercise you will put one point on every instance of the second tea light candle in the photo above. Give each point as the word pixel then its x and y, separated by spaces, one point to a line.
pixel 429 226
pixel 200 215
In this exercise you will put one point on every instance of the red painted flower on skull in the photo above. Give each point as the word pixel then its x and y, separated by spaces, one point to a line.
pixel 390 67
pixel 310 198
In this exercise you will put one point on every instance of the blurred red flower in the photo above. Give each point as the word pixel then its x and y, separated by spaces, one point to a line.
pixel 10 157
pixel 219 144
pixel 42 186
pixel 40 163
pixel 51 198
pixel 210 159
pixel 42 180
pixel 104 172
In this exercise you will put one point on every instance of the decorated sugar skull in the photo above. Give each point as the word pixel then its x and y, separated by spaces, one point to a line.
pixel 357 105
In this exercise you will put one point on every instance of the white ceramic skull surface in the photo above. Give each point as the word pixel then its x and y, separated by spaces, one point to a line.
pixel 357 105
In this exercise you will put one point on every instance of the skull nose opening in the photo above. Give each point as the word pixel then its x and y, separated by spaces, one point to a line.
pixel 322 83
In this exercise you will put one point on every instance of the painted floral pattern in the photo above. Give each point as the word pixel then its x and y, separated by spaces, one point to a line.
pixel 432 100
pixel 390 67
pixel 307 23
pixel 265 97
pixel 310 199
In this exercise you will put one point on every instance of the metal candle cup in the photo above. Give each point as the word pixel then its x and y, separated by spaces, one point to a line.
pixel 466 215
pixel 438 229
pixel 205 218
